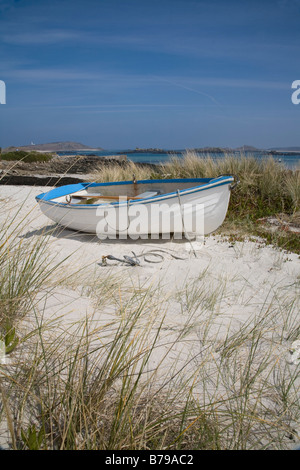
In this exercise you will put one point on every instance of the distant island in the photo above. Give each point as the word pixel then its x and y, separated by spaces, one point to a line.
pixel 174 151
pixel 53 147
pixel 207 150
pixel 286 149
pixel 245 148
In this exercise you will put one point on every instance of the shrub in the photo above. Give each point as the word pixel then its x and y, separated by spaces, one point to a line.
pixel 26 157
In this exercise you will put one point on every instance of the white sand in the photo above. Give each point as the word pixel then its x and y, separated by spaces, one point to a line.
pixel 244 277
pixel 251 272
pixel 236 283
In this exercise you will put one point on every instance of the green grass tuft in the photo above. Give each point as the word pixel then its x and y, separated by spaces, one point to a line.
pixel 26 157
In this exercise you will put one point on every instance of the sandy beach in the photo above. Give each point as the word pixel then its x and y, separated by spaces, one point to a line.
pixel 246 275
pixel 199 294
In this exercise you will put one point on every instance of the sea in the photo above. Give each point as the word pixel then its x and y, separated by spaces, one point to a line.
pixel 288 160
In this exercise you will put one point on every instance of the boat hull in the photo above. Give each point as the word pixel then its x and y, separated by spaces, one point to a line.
pixel 198 210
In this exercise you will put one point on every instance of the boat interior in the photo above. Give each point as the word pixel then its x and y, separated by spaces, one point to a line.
pixel 98 193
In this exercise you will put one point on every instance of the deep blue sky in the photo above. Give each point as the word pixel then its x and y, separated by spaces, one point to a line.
pixel 150 73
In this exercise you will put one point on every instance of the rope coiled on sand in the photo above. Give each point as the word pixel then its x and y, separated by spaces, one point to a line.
pixel 135 261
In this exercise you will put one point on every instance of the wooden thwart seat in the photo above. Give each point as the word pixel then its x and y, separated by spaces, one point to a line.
pixel 144 195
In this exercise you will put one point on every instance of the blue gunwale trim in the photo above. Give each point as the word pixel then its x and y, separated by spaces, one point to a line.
pixel 72 188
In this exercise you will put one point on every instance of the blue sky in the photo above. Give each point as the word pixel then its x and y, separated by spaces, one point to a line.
pixel 172 74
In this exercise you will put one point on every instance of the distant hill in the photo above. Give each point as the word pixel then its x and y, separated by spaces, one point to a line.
pixel 53 147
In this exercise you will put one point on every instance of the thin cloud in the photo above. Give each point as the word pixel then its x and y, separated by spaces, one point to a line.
pixel 50 74
pixel 236 83
pixel 132 80
pixel 188 88
pixel 183 44
pixel 40 37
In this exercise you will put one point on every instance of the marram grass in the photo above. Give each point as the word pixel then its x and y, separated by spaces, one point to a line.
pixel 95 387
pixel 265 181
pixel 266 189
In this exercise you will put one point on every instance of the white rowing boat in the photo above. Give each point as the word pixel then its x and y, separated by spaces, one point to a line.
pixel 141 208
